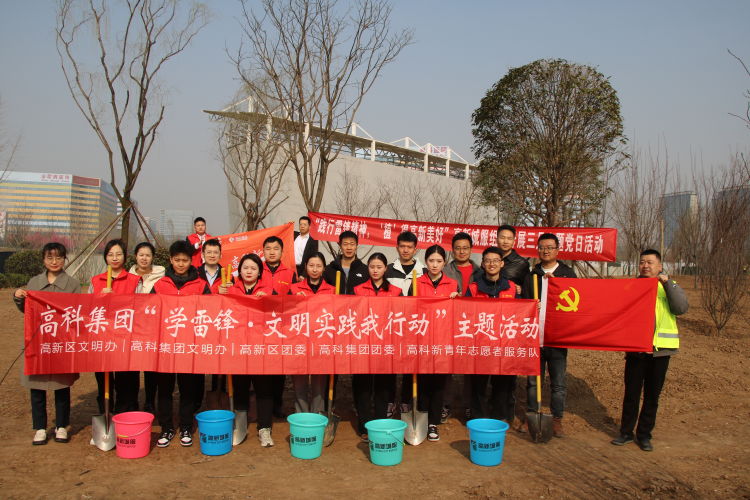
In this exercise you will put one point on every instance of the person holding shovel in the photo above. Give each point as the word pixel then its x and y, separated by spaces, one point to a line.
pixel 554 358
pixel 53 279
pixel 434 283
pixel 250 282
pixel 314 385
pixel 645 372
pixel 126 383
pixel 491 283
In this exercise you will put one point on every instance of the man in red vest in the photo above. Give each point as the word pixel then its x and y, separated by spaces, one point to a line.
pixel 197 239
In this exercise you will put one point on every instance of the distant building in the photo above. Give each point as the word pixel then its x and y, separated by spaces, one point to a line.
pixel 66 205
pixel 676 207
pixel 175 224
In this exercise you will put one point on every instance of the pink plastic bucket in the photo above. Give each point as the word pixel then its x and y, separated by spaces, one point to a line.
pixel 133 433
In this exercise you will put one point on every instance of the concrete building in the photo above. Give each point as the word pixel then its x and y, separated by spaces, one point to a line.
pixel 175 224
pixel 56 204
pixel 366 166
pixel 676 208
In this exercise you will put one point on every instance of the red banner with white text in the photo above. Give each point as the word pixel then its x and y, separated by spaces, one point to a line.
pixel 609 314
pixel 234 246
pixel 279 334
pixel 576 243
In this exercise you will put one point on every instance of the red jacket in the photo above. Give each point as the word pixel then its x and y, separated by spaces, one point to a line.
pixel 239 288
pixel 166 286
pixel 124 283
pixel 366 289
pixel 194 240
pixel 281 280
pixel 510 293
pixel 445 288
pixel 304 287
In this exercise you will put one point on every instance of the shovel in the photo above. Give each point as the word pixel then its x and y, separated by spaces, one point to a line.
pixel 240 417
pixel 333 420
pixel 540 426
pixel 102 430
pixel 416 421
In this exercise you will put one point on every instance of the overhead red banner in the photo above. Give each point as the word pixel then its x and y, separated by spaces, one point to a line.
pixel 279 334
pixel 601 314
pixel 576 243
pixel 234 246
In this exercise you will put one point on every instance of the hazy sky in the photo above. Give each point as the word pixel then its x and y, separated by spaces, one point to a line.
pixel 667 60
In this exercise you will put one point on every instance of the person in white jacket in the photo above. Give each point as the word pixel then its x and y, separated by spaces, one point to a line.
pixel 149 273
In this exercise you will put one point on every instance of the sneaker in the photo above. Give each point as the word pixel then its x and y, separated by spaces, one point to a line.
pixel 404 408
pixel 523 427
pixel 364 437
pixel 644 444
pixel 40 437
pixel 165 438
pixel 264 436
pixel 390 410
pixel 622 440
pixel 445 414
pixel 61 435
pixel 186 438
pixel 432 433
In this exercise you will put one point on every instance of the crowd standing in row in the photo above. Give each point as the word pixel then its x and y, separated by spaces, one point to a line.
pixel 194 269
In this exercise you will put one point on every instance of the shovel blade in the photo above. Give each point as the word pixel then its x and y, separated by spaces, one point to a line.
pixel 330 431
pixel 103 432
pixel 416 426
pixel 239 434
pixel 540 426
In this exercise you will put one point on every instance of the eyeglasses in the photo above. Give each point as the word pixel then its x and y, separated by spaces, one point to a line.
pixel 547 249
pixel 492 261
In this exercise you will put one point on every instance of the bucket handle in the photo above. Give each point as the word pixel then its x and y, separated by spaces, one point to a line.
pixel 147 428
pixel 390 433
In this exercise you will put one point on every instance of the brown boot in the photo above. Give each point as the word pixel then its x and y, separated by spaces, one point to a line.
pixel 557 429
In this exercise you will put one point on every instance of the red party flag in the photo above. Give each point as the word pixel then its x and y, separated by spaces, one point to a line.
pixel 601 314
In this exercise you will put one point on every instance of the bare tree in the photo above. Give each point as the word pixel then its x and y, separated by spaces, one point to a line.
pixel 356 197
pixel 409 200
pixel 636 201
pixel 746 94
pixel 254 158
pixel 8 149
pixel 321 58
pixel 724 255
pixel 121 99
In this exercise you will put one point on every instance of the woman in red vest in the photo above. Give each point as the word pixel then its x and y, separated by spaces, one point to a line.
pixel 249 282
pixel 314 385
pixel 125 384
pixel 373 390
pixel 433 283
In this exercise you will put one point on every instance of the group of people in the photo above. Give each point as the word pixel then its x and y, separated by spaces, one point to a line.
pixel 194 269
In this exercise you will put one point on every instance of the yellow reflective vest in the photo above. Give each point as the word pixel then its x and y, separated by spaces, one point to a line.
pixel 666 335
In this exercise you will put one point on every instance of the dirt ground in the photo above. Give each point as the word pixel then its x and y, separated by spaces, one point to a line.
pixel 700 442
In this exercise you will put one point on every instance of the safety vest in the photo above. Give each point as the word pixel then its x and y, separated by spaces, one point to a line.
pixel 665 332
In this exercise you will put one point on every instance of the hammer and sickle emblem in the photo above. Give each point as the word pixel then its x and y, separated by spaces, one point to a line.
pixel 572 303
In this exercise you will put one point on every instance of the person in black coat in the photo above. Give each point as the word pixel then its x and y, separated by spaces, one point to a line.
pixel 304 244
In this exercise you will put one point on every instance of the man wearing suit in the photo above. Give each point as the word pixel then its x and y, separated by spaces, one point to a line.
pixel 304 244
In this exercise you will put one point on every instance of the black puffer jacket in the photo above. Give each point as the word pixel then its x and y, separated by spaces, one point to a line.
pixel 358 274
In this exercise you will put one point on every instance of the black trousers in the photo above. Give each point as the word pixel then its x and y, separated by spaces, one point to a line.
pixel 189 385
pixel 431 392
pixel 126 388
pixel 39 408
pixel 371 394
pixel 264 387
pixel 150 384
pixel 279 381
pixel 502 400
pixel 645 374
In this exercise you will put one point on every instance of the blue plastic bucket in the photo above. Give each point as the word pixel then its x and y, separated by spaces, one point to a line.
pixel 487 440
pixel 306 437
pixel 386 441
pixel 215 430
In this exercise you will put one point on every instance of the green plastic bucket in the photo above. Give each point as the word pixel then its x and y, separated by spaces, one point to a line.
pixel 386 440
pixel 306 437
